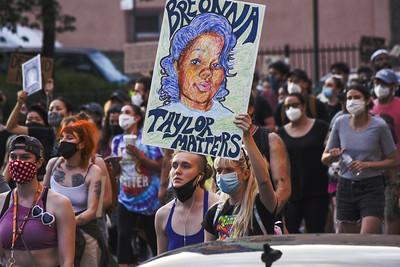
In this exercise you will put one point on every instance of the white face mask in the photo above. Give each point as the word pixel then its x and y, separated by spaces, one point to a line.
pixel 126 121
pixel 381 91
pixel 293 88
pixel 137 99
pixel 355 106
pixel 293 114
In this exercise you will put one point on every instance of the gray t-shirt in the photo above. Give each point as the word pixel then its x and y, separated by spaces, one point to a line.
pixel 374 143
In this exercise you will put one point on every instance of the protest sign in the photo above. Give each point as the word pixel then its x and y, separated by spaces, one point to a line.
pixel 139 57
pixel 203 75
pixel 32 75
pixel 14 75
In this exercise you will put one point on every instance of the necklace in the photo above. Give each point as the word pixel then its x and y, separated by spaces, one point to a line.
pixel 16 233
pixel 187 215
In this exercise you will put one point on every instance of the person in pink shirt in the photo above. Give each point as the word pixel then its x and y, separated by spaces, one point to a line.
pixel 387 104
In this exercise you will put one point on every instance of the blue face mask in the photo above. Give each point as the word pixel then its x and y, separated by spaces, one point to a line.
pixel 228 183
pixel 327 91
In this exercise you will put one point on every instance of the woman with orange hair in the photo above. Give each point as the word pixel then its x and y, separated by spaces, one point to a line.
pixel 75 176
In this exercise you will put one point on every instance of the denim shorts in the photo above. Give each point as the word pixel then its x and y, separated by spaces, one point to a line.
pixel 358 199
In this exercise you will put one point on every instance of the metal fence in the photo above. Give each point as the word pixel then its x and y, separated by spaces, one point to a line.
pixel 302 57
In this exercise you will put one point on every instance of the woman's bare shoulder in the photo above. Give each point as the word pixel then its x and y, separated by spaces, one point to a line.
pixel 164 211
pixel 56 199
pixel 212 198
pixel 94 173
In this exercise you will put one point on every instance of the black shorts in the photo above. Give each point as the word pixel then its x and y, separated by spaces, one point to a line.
pixel 358 199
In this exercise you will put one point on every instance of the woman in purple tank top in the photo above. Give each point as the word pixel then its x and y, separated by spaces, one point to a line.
pixel 178 223
pixel 37 225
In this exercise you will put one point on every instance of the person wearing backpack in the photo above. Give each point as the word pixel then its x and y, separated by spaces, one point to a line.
pixel 248 201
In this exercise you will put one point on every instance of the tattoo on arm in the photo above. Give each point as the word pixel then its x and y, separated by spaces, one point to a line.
pixel 59 176
pixel 97 188
pixel 77 179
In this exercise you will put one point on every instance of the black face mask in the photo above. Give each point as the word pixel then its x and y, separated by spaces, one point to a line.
pixel 115 129
pixel 185 191
pixel 34 124
pixel 67 149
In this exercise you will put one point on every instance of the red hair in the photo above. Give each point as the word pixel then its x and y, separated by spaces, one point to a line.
pixel 86 132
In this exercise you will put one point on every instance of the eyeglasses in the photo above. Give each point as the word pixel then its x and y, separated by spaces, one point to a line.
pixel 293 105
pixel 46 217
pixel 23 157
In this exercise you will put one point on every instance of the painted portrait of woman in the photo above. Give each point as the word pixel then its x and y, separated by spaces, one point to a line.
pixel 195 71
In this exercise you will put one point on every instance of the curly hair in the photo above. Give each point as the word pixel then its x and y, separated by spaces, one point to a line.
pixel 183 38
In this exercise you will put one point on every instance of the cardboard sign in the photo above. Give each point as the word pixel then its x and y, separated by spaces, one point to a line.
pixel 14 75
pixel 139 57
pixel 202 76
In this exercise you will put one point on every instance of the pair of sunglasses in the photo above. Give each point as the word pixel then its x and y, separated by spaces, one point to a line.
pixel 47 218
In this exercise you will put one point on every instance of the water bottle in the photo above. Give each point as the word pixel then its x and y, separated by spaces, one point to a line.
pixel 347 159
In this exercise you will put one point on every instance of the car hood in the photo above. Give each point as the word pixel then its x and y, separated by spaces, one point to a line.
pixel 314 250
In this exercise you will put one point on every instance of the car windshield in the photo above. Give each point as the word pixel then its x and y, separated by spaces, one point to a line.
pixel 107 68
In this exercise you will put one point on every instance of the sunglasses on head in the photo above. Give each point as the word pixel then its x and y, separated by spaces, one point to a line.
pixel 46 217
pixel 246 158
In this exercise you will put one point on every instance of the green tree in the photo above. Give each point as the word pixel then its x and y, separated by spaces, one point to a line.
pixel 43 14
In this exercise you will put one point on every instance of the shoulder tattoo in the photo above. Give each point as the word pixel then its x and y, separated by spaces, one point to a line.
pixel 77 179
pixel 59 176
pixel 97 188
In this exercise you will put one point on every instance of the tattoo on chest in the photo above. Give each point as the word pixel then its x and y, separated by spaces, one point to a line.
pixel 59 176
pixel 97 188
pixel 77 179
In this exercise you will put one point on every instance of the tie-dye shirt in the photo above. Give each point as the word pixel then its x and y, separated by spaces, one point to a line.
pixel 222 226
pixel 138 186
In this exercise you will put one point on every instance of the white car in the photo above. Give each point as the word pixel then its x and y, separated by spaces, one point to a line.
pixel 325 250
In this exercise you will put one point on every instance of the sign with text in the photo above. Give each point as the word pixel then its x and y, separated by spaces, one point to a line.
pixel 202 76
pixel 14 75
pixel 139 57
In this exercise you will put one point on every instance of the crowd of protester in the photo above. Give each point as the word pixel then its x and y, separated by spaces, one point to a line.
pixel 79 188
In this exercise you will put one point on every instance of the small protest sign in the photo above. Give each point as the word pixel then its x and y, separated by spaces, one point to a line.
pixel 14 75
pixel 32 75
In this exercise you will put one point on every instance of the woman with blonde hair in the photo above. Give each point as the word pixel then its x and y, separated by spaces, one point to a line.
pixel 248 202
pixel 178 223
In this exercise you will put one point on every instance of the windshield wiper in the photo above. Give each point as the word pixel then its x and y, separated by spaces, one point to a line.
pixel 270 255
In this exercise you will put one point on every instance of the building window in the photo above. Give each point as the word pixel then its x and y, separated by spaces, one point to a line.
pixel 147 27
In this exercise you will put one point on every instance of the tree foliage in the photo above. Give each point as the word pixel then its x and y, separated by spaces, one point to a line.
pixel 41 14
pixel 29 13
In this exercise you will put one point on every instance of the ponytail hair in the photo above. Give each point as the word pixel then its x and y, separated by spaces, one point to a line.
pixel 205 168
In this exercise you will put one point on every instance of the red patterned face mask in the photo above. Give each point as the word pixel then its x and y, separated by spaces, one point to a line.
pixel 22 172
